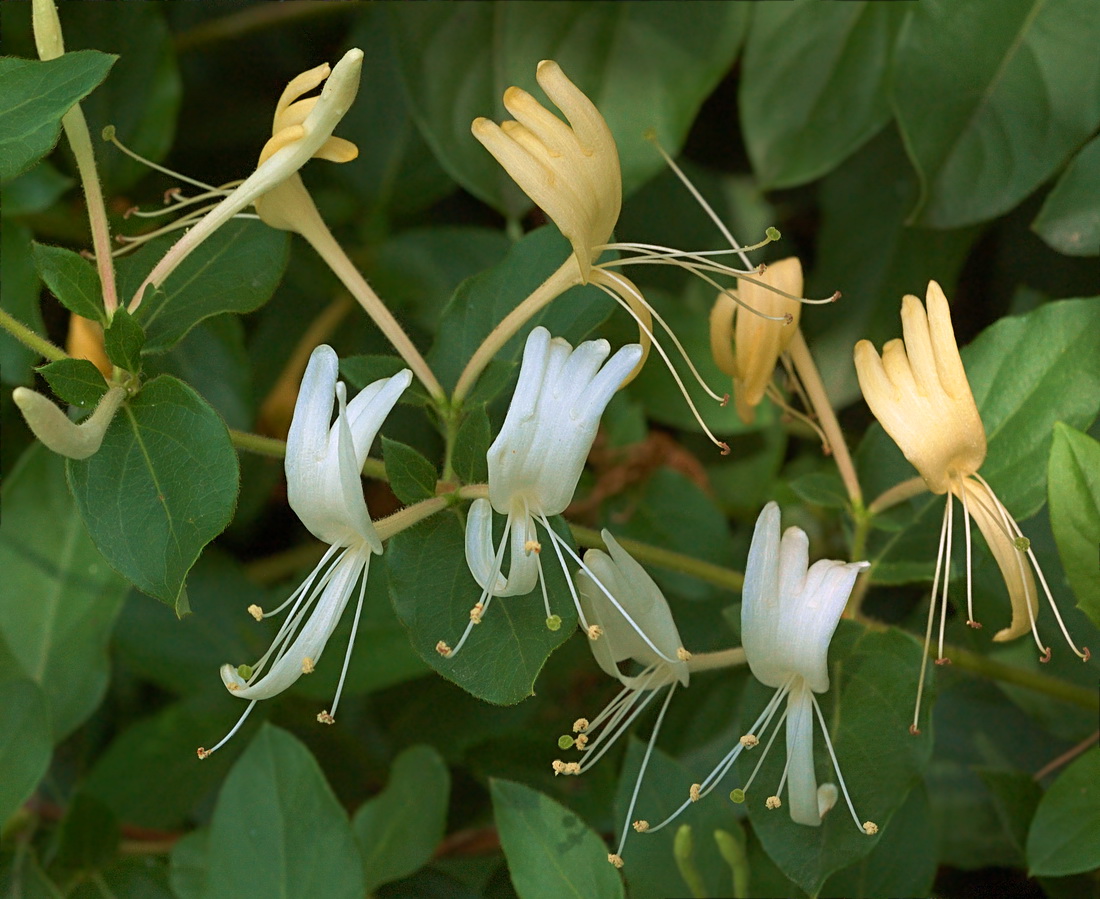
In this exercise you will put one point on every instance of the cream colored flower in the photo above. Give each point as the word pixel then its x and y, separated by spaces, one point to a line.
pixel 919 392
pixel 757 341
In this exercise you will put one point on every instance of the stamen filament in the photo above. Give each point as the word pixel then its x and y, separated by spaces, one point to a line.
pixel 836 764
pixel 913 728
pixel 351 639
pixel 110 136
pixel 486 592
pixel 206 753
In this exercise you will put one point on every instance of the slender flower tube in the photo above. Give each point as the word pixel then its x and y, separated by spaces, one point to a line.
pixel 789 611
pixel 919 392
pixel 649 641
pixel 535 463
pixel 757 341
pixel 323 461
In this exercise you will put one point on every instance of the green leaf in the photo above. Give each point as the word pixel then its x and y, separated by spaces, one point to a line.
pixel 33 191
pixel 1074 486
pixel 644 65
pixel 497 375
pixel 986 122
pixel 1062 839
pixel 189 863
pixel 483 300
pixel 72 279
pixel 1015 798
pixel 551 852
pixel 123 340
pixel 162 486
pixel 814 85
pixel 236 270
pixel 19 288
pixel 25 742
pixel 1070 218
pixel 873 681
pixel 399 829
pixel 278 830
pixel 412 477
pixel 472 442
pixel 363 370
pixel 36 95
pixel 76 381
pixel 88 836
pixel 61 597
pixel 821 488
pixel 505 653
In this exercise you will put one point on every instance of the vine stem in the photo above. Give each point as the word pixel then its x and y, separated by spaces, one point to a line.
pixel 819 399
pixel 30 339
pixel 1084 697
pixel 276 449
pixel 568 275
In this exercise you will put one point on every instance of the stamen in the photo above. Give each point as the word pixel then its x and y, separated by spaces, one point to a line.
pixel 486 595
pixel 475 613
pixel 640 826
pixel 580 725
pixel 682 654
pixel 325 718
pixel 595 632
pixel 913 728
pixel 581 741
pixel 616 860
pixel 836 768
pixel 693 792
pixel 870 828
pixel 362 575
pixel 558 765
pixel 443 649
pixel 307 665
pixel 773 802
pixel 749 741
pixel 946 575
pixel 256 612
pixel 109 134
pixel 532 546
pixel 206 753
pixel 969 585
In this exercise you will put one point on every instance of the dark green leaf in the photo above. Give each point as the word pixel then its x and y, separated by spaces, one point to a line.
pixel 61 597
pixel 278 830
pixel 25 742
pixel 35 95
pixel 162 486
pixel 483 300
pixel 89 835
pixel 236 270
pixel 1074 486
pixel 19 298
pixel 814 85
pixel 123 340
pixel 1070 218
pixel 821 488
pixel 189 863
pixel 986 122
pixel 363 370
pixel 1062 839
pixel 505 653
pixel 412 477
pixel 33 191
pixel 76 381
pixel 551 852
pixel 873 681
pixel 1015 797
pixel 472 442
pixel 644 65
pixel 498 374
pixel 72 279
pixel 399 829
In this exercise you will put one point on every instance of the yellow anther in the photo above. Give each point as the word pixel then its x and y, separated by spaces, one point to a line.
pixel 749 741
pixel 476 612
pixel 581 741
pixel 682 654
pixel 559 767
pixel 616 860
pixel 870 827
pixel 202 753
pixel 695 791
pixel 580 725
pixel 640 826
pixel 773 802
pixel 325 718
pixel 572 767
pixel 532 546
pixel 307 665
pixel 443 649
pixel 256 612
pixel 594 632
pixel 232 687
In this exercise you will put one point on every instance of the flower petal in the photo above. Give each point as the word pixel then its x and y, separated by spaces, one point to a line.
pixel 801 779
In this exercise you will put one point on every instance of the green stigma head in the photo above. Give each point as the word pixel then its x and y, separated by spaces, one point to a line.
pixel 244 671
pixel 773 233
pixel 737 795
pixel 565 741
pixel 553 623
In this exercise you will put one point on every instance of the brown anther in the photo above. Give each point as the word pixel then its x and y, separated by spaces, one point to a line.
pixel 723 448
pixel 443 649
pixel 773 802
pixel 616 860
pixel 594 632
pixel 837 296
pixel 256 612
pixel 325 718
pixel 749 741
pixel 580 725
pixel 682 654
pixel 1087 655
pixel 581 741
pixel 307 665
pixel 1045 657
pixel 694 792
pixel 129 212
pixel 914 730
pixel 725 401
pixel 640 826
pixel 788 319
pixel 202 753
pixel 532 546
pixel 476 612
pixel 977 625
pixel 173 193
pixel 870 828
pixel 944 660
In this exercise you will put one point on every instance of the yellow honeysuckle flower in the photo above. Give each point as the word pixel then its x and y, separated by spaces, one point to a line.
pixel 919 392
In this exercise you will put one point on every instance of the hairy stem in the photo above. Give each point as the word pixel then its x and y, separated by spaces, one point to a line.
pixel 30 339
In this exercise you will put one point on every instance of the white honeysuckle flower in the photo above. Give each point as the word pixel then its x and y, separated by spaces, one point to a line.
pixel 919 392
pixel 323 461
pixel 54 428
pixel 611 587
pixel 536 461
pixel 789 611
pixel 302 130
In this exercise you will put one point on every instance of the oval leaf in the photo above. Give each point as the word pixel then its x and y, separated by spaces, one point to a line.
pixel 25 742
pixel 1074 487
pixel 1070 218
pixel 1062 839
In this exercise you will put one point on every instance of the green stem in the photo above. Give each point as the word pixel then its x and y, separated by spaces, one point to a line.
pixel 665 558
pixel 276 449
pixel 1085 697
pixel 899 493
pixel 29 339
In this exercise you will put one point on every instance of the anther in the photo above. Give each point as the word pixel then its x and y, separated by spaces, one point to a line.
pixel 594 632
pixel 1085 655
pixel 943 660
pixel 475 613
pixel 443 649
pixel 580 725
pixel 582 741
pixel 572 767
pixel 682 654
pixel 723 448
pixel 977 625
pixel 914 730
pixel 773 802
pixel 640 826
pixel 1045 657
pixel 749 741
pixel 616 860
pixel 725 400
pixel 559 767
pixel 870 828
pixel 695 791
pixel 532 546
pixel 202 753
pixel 325 718
pixel 232 688
pixel 256 612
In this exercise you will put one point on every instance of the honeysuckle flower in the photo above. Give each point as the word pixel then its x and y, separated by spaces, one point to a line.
pixel 54 428
pixel 536 461
pixel 919 392
pixel 746 346
pixel 323 461
pixel 789 611
pixel 612 584
pixel 302 129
